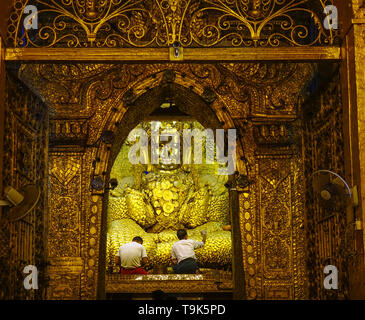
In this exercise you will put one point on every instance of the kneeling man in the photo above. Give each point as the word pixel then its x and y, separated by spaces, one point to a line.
pixel 132 256
pixel 183 254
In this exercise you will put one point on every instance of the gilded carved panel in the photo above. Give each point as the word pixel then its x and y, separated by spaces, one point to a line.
pixel 272 230
pixel 280 225
pixel 25 162
pixel 64 204
pixel 74 225
pixel 255 89
pixel 328 232
pixel 65 228
pixel 65 278
pixel 64 287
pixel 199 284
pixel 161 23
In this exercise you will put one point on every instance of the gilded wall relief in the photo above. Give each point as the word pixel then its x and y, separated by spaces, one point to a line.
pixel 246 88
pixel 64 205
pixel 328 233
pixel 64 287
pixel 74 225
pixel 161 23
pixel 272 216
pixel 65 279
pixel 281 230
pixel 25 162
pixel 65 228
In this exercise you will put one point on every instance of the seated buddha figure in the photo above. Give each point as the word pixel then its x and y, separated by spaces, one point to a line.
pixel 154 201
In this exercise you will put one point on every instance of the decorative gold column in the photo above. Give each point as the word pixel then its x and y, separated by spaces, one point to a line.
pixel 239 280
pixel 64 225
pixel 272 215
pixel 353 92
pixel 74 220
pixel 4 230
pixel 2 109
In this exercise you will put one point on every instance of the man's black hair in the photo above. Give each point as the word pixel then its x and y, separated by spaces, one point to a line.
pixel 181 233
pixel 138 239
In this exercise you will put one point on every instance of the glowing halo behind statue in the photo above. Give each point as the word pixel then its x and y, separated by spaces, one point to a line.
pixel 154 200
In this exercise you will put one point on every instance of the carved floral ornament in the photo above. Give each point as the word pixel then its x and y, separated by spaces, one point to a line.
pixel 160 23
pixel 258 88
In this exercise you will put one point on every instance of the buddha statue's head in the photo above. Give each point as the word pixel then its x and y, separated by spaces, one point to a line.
pixel 166 145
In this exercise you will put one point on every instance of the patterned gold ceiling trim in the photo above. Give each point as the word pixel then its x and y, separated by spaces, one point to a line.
pixel 248 88
pixel 160 23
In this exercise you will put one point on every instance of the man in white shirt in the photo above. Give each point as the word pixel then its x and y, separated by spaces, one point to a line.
pixel 132 256
pixel 183 252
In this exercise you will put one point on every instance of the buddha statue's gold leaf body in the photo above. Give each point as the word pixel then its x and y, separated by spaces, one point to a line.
pixel 155 203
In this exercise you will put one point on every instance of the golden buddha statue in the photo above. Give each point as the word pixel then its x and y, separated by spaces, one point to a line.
pixel 156 200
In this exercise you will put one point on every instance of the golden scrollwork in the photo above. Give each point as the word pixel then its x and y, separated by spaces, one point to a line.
pixel 160 23
pixel 259 23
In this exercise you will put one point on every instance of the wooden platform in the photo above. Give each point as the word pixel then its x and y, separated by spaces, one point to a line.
pixel 208 282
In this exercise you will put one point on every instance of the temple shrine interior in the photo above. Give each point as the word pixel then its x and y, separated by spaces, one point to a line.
pixel 279 82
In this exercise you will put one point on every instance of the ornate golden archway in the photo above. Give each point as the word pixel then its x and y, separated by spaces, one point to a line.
pixel 167 84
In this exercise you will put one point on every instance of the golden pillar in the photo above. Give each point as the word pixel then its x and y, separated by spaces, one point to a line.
pixel 353 92
pixel 2 109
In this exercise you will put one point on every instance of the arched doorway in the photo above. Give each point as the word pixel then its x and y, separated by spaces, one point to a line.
pixel 191 105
